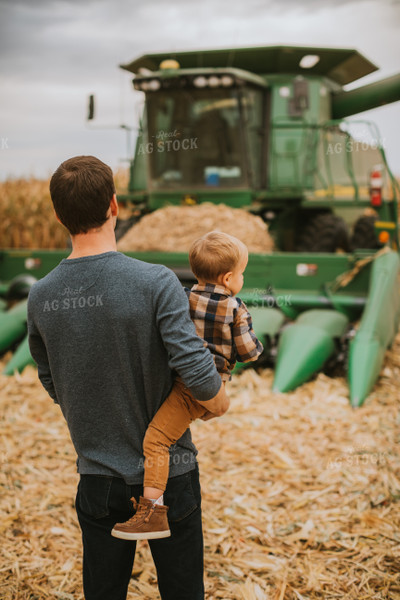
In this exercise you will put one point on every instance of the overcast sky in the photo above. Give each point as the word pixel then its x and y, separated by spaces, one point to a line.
pixel 54 53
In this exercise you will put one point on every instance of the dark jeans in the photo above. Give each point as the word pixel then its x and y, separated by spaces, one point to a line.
pixel 101 501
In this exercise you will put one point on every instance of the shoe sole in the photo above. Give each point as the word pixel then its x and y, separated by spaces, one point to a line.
pixel 150 535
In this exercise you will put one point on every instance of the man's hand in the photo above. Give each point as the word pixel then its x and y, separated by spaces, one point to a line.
pixel 217 405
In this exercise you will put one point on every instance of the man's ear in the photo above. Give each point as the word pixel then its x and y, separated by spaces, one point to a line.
pixel 114 206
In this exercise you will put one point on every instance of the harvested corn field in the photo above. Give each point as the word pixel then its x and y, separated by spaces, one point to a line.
pixel 301 494
pixel 174 228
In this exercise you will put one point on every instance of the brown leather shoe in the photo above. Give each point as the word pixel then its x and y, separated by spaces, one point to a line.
pixel 148 523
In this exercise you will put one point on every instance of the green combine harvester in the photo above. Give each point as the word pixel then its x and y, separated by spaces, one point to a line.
pixel 265 129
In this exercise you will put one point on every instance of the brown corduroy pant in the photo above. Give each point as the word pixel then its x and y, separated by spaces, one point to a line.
pixel 168 425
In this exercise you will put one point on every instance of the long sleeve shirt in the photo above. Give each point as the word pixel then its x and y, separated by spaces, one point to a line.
pixel 106 332
pixel 225 325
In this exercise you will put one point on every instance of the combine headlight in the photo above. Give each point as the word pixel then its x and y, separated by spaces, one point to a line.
pixel 227 80
pixel 200 82
pixel 146 85
pixel 214 82
pixel 154 85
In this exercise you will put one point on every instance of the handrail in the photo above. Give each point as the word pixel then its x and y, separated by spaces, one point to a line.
pixel 314 140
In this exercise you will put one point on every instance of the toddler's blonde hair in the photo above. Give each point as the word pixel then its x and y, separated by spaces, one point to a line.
pixel 214 254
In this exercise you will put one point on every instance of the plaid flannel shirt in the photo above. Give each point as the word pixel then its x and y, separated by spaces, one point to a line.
pixel 224 323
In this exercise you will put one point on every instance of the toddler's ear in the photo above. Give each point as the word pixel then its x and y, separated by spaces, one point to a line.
pixel 225 278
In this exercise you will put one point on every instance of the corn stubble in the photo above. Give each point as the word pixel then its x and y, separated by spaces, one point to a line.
pixel 300 494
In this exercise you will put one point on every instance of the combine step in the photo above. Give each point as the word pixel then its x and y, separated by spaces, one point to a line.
pixel 305 346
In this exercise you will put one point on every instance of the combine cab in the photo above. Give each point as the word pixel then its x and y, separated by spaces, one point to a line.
pixel 265 129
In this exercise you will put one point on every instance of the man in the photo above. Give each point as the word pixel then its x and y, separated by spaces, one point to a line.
pixel 106 331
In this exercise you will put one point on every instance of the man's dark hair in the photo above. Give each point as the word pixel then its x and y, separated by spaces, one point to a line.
pixel 81 190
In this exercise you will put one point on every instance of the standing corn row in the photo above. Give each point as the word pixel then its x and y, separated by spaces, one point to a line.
pixel 26 214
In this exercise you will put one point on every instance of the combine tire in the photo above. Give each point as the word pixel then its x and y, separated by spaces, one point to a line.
pixel 364 235
pixel 324 233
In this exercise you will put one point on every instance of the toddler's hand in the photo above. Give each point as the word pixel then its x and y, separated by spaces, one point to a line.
pixel 207 416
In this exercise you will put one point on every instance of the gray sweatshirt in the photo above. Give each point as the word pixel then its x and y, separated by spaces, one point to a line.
pixel 105 332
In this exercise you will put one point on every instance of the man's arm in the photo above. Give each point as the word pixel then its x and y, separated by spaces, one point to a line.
pixel 39 355
pixel 218 405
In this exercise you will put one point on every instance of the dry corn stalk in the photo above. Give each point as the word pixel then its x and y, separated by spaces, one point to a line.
pixel 26 214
